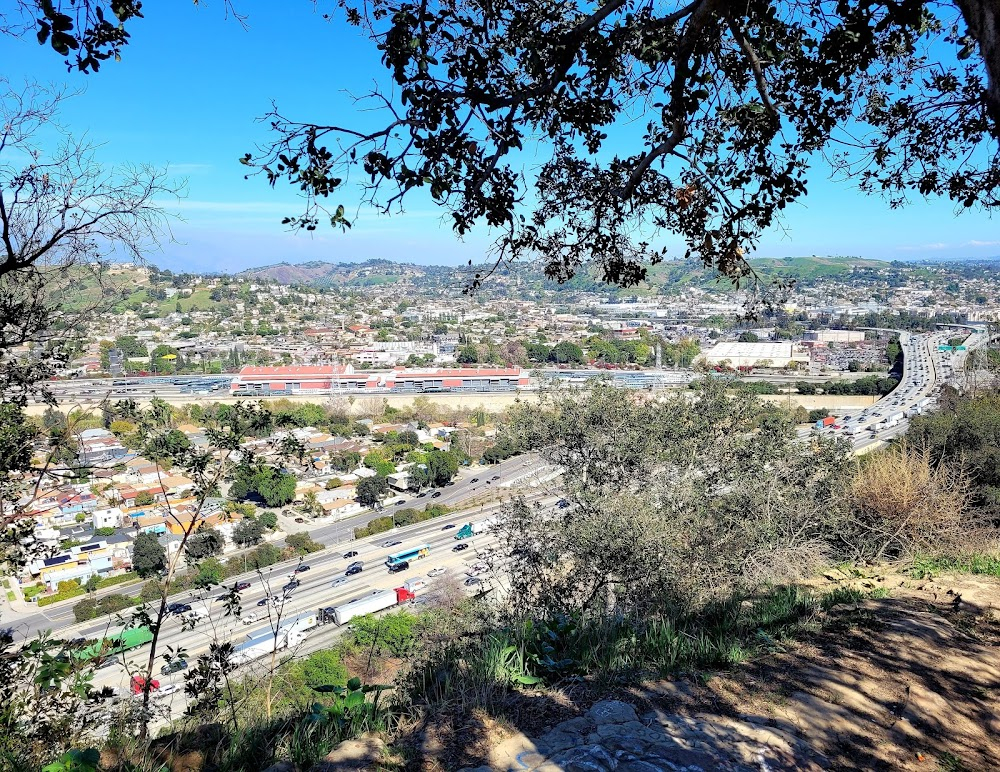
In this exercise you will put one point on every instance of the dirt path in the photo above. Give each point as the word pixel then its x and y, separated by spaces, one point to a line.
pixel 908 682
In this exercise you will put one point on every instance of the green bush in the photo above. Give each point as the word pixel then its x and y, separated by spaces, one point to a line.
pixel 392 635
pixel 303 543
pixel 109 531
pixel 109 604
pixel 85 609
pixel 150 591
pixel 60 596
pixel 111 581
pixel 32 590
pixel 378 525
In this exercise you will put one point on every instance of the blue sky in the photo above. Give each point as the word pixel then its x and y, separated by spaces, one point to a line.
pixel 192 84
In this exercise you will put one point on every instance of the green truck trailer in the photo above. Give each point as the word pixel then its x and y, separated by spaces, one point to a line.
pixel 132 638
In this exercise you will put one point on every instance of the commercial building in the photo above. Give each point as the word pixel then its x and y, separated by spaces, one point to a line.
pixel 332 378
pixel 736 354
pixel 835 336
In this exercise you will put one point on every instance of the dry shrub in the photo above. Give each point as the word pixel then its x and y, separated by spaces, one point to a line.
pixel 902 502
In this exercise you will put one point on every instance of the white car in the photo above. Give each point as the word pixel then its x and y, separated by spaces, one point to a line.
pixel 249 619
pixel 166 691
pixel 437 571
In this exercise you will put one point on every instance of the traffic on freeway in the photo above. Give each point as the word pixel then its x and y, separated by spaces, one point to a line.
pixel 926 368
pixel 300 606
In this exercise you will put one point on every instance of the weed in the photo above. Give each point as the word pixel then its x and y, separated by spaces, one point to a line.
pixel 949 762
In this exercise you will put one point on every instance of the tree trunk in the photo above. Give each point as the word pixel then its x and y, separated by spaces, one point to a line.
pixel 983 18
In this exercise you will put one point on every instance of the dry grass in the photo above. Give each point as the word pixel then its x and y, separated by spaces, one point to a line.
pixel 903 502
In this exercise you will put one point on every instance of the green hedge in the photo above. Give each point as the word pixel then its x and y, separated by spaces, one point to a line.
pixel 403 517
pixel 61 596
pixel 111 581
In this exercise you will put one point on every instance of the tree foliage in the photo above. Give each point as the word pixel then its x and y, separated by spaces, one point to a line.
pixel 148 555
pixel 671 501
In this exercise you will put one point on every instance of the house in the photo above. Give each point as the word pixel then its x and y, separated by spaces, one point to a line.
pixel 110 517
pixel 341 508
pixel 80 562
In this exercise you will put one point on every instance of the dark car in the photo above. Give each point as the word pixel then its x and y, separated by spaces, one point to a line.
pixel 421 494
pixel 300 520
pixel 394 543
pixel 351 554
pixel 179 608
pixel 395 568
pixel 174 667
pixel 300 569
pixel 241 586
pixel 291 585
pixel 447 527
pixel 471 581
pixel 352 570
pixel 474 479
pixel 263 601
pixel 435 494
pixel 459 547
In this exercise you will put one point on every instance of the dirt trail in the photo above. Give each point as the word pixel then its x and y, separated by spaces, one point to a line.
pixel 908 682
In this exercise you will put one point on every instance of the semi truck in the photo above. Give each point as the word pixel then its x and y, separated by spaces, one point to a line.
pixel 893 419
pixel 126 640
pixel 264 643
pixel 378 601
pixel 469 530
pixel 825 422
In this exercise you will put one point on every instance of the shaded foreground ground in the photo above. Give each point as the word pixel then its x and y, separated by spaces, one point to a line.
pixel 910 681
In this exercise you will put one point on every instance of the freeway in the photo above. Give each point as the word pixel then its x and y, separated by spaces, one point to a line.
pixel 925 370
pixel 323 584
pixel 487 482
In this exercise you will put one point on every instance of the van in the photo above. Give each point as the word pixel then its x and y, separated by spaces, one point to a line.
pixel 397 567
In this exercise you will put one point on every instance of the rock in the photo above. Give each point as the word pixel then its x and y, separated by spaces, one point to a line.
pixel 612 712
pixel 281 766
pixel 353 755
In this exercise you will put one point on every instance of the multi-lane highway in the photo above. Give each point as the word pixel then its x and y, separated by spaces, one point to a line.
pixel 323 584
pixel 925 370
pixel 472 485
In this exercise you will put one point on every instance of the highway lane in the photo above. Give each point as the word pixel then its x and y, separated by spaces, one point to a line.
pixel 316 591
pixel 341 532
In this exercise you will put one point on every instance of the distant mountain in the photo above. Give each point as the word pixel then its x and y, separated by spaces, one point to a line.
pixel 323 274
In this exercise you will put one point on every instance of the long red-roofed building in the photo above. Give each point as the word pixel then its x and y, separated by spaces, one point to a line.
pixel 254 381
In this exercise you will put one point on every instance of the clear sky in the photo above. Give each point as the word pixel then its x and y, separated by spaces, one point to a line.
pixel 192 83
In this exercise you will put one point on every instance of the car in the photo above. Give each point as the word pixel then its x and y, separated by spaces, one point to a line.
pixel 400 501
pixel 241 586
pixel 351 554
pixel 459 547
pixel 263 601
pixel 294 584
pixel 474 479
pixel 394 543
pixel 395 568
pixel 340 580
pixel 249 619
pixel 472 581
pixel 436 494
pixel 421 494
pixel 300 520
pixel 179 608
pixel 167 690
pixel 110 662
pixel 353 570
pixel 437 571
pixel 174 666
pixel 496 477
pixel 300 569
pixel 447 527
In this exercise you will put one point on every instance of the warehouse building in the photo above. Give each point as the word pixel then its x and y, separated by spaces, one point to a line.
pixel 834 336
pixel 736 354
